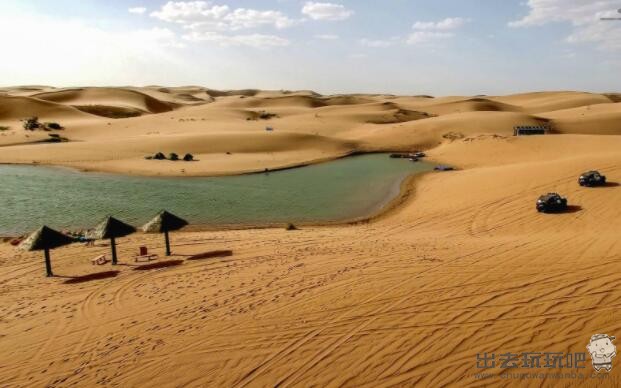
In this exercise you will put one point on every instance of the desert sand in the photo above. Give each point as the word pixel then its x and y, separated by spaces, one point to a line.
pixel 463 266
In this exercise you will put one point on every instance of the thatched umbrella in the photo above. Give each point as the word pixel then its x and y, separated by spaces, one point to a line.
pixel 164 222
pixel 111 228
pixel 45 239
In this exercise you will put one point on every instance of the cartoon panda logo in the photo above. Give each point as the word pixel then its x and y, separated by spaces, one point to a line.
pixel 602 351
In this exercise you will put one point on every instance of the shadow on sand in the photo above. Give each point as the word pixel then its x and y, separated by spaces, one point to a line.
pixel 573 209
pixel 91 277
pixel 610 184
pixel 211 254
pixel 161 264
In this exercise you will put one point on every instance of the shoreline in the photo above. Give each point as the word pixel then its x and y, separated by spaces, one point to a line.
pixel 311 162
pixel 89 170
pixel 405 193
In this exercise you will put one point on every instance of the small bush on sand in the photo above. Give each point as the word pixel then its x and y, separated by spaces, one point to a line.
pixel 32 123
pixel 266 115
pixel 56 138
pixel 261 115
pixel 291 227
pixel 173 156
pixel 4 128
pixel 54 126
pixel 188 157
pixel 159 156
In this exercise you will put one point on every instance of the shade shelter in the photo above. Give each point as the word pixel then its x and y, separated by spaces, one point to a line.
pixel 45 239
pixel 164 222
pixel 111 228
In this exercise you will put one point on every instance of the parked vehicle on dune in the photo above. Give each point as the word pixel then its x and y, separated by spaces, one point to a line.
pixel 591 179
pixel 551 203
pixel 442 167
pixel 410 155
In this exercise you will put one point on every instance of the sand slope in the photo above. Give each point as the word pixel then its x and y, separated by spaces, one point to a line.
pixel 107 97
pixel 17 108
pixel 601 119
pixel 550 101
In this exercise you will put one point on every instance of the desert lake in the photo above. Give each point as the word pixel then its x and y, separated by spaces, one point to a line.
pixel 338 190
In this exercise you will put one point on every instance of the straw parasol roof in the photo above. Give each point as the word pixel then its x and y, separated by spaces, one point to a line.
pixel 45 238
pixel 111 228
pixel 163 222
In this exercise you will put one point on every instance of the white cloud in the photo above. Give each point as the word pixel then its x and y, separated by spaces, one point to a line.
pixel 208 22
pixel 427 32
pixel 326 11
pixel 420 37
pixel 207 16
pixel 190 11
pixel 442 25
pixel 378 43
pixel 251 40
pixel 327 37
pixel 137 10
pixel 250 18
pixel 583 16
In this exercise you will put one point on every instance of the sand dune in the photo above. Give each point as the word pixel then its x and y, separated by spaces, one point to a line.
pixel 550 101
pixel 614 97
pixel 18 108
pixel 25 90
pixel 14 109
pixel 107 97
pixel 434 131
pixel 601 119
pixel 464 265
pixel 177 97
pixel 475 104
pixel 306 101
pixel 189 118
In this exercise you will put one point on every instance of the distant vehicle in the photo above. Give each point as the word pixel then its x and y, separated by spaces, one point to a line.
pixel 443 168
pixel 412 155
pixel 591 179
pixel 551 203
pixel 522 130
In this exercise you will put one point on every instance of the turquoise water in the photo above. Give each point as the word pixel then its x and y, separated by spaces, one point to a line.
pixel 338 190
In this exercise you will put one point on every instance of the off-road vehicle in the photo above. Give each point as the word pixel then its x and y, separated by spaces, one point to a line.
pixel 551 203
pixel 591 179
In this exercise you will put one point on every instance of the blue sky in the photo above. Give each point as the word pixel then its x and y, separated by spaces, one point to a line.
pixel 437 47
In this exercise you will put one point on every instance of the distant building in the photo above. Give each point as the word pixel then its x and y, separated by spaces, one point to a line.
pixel 522 130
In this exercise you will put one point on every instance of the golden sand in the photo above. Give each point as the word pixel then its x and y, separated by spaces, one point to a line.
pixel 464 266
